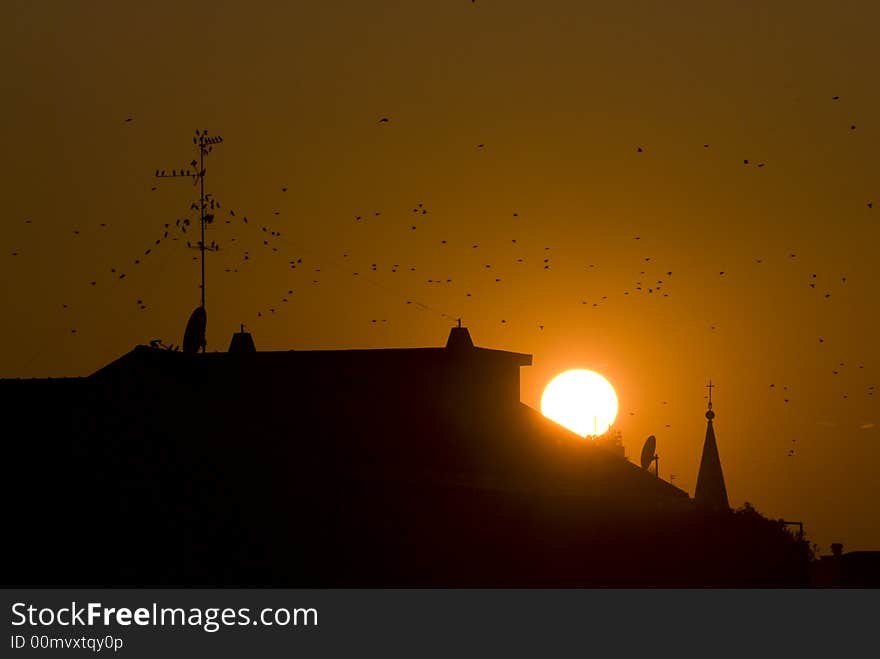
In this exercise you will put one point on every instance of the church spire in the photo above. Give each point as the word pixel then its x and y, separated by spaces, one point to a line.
pixel 711 492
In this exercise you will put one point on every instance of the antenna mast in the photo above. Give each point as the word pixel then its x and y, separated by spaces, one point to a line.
pixel 207 204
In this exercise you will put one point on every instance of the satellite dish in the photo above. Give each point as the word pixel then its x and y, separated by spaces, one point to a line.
pixel 194 335
pixel 648 451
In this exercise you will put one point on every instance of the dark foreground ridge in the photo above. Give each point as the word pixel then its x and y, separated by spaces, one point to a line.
pixel 404 467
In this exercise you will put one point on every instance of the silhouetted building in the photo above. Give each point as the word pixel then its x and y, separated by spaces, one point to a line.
pixel 855 569
pixel 401 467
pixel 711 493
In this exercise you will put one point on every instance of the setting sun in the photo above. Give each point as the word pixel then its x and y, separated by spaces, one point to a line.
pixel 582 401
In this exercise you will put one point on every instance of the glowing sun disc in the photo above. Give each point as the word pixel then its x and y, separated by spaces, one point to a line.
pixel 582 401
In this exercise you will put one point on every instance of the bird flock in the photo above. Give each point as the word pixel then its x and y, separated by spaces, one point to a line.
pixel 406 280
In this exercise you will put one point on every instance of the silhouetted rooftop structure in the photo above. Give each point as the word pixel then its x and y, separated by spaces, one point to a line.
pixel 242 343
pixel 854 569
pixel 414 466
pixel 711 493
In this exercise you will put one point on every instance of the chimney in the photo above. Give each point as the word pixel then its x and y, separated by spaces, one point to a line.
pixel 459 338
pixel 242 343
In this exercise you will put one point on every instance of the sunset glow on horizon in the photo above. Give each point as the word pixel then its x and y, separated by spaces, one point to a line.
pixel 663 196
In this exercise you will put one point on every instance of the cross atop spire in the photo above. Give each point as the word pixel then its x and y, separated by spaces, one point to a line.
pixel 709 413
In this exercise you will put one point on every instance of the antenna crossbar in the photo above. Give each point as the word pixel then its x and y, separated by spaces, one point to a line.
pixel 206 204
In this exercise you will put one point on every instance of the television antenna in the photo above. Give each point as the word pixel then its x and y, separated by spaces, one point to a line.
pixel 194 336
pixel 649 455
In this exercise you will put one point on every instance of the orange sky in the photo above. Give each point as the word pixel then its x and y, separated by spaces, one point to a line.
pixel 561 94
